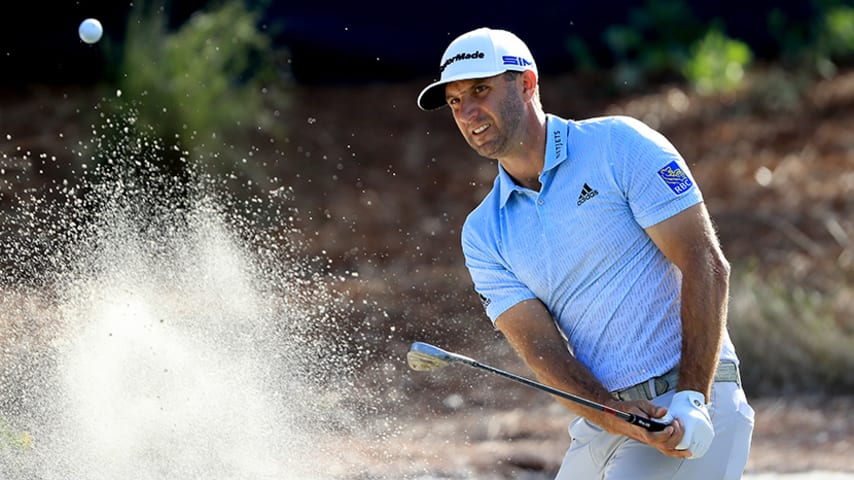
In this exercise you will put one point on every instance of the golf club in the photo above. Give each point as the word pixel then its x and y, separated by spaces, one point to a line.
pixel 426 357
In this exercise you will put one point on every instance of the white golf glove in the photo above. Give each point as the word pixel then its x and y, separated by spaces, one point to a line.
pixel 690 408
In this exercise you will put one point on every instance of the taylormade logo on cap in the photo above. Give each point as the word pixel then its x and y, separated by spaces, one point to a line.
pixel 480 53
pixel 460 56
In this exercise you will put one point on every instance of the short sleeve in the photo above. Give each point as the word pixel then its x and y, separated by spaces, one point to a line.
pixel 654 177
pixel 498 287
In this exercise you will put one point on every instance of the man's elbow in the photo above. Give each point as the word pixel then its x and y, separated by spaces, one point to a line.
pixel 721 268
pixel 719 274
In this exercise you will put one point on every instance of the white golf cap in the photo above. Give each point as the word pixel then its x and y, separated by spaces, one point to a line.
pixel 480 53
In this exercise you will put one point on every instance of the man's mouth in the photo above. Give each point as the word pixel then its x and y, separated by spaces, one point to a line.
pixel 480 129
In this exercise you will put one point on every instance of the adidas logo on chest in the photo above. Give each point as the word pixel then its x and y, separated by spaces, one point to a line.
pixel 586 194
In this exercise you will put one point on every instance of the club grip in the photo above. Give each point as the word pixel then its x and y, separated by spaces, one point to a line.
pixel 649 424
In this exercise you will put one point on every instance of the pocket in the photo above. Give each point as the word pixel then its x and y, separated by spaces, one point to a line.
pixel 744 408
pixel 592 443
pixel 582 432
pixel 731 398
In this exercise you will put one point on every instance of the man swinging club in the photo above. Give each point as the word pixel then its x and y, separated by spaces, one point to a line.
pixel 595 256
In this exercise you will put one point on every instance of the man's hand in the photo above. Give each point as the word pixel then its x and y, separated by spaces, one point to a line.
pixel 690 409
pixel 664 441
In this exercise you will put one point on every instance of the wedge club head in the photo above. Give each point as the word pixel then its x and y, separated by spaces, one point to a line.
pixel 426 357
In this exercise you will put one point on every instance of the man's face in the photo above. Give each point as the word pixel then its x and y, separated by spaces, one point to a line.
pixel 488 112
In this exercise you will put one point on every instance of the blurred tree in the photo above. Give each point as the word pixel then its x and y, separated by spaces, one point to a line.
pixel 717 63
pixel 654 44
pixel 202 86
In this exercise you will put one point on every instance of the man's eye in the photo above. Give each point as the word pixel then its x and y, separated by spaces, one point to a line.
pixel 453 101
pixel 480 88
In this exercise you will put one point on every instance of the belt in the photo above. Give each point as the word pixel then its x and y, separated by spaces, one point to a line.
pixel 726 372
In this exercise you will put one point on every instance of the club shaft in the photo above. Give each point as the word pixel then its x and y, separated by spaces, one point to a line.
pixel 651 425
pixel 553 391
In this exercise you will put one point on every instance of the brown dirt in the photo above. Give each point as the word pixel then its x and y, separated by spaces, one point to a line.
pixel 383 189
pixel 779 183
pixel 792 435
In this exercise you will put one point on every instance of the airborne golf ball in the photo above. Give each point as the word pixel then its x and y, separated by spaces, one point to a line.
pixel 90 30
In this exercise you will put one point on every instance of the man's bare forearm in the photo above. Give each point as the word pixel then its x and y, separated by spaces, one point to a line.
pixel 531 331
pixel 705 294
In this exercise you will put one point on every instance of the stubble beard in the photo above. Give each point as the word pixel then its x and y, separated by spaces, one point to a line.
pixel 510 112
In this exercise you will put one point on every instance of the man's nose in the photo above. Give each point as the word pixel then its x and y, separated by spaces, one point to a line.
pixel 468 109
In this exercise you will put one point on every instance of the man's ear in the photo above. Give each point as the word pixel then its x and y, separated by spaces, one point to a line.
pixel 529 82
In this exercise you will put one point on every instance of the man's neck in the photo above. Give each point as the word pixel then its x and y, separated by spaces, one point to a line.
pixel 526 163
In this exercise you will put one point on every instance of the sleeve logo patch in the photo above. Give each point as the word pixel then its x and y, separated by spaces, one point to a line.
pixel 676 178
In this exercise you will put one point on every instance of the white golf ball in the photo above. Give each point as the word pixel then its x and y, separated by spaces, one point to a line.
pixel 90 30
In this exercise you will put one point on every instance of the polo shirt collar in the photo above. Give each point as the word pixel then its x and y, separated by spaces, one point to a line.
pixel 556 153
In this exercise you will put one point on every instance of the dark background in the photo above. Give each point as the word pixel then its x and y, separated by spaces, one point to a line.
pixel 339 41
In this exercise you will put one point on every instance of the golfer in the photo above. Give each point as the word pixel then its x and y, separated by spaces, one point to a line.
pixel 595 256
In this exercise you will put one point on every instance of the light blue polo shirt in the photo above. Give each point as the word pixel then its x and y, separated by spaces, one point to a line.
pixel 580 247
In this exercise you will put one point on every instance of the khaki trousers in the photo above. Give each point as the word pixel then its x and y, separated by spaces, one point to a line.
pixel 597 455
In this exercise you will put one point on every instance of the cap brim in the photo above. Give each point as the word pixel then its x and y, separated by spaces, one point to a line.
pixel 433 96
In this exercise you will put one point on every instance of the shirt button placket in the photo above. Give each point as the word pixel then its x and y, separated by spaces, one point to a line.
pixel 544 228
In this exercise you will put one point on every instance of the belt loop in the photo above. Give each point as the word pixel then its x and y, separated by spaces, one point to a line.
pixel 737 375
pixel 652 391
